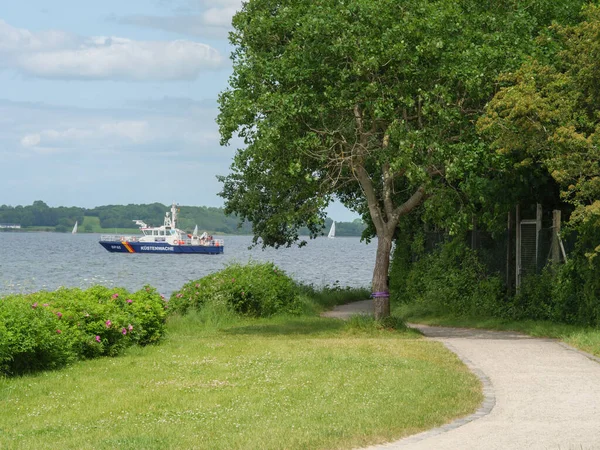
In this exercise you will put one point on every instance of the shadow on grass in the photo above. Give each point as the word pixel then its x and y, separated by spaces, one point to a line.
pixel 289 327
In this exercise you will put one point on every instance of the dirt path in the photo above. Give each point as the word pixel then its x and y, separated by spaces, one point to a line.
pixel 539 393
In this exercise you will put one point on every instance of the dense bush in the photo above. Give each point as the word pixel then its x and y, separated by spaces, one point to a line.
pixel 255 289
pixel 45 330
pixel 450 279
pixel 32 338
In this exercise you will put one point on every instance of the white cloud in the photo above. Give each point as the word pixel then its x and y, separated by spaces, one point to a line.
pixel 31 140
pixel 135 132
pixel 54 54
pixel 220 17
pixel 192 25
pixel 17 39
pixel 195 18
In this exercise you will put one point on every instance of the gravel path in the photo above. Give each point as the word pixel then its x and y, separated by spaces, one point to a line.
pixel 539 393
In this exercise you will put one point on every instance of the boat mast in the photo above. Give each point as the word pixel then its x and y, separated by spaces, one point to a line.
pixel 174 216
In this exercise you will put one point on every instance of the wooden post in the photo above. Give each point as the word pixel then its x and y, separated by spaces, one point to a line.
pixel 556 236
pixel 509 256
pixel 518 248
pixel 538 229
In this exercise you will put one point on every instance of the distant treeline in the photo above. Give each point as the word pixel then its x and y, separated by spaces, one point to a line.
pixel 210 219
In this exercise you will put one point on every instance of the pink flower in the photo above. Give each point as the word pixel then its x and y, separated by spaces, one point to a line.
pixel 46 304
pixel 179 295
pixel 34 305
pixel 115 296
pixel 129 301
pixel 98 339
pixel 108 323
pixel 59 314
pixel 58 331
pixel 162 296
pixel 124 331
pixel 130 327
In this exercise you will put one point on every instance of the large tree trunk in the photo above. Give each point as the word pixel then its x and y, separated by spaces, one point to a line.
pixel 384 213
pixel 380 287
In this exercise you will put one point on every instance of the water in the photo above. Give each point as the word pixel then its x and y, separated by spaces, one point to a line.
pixel 45 261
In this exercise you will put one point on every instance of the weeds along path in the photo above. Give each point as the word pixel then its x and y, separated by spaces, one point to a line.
pixel 539 393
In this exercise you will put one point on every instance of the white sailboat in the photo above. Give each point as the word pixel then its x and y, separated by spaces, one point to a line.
pixel 331 234
pixel 74 228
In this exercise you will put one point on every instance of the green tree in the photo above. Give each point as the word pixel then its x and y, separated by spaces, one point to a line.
pixel 548 113
pixel 372 102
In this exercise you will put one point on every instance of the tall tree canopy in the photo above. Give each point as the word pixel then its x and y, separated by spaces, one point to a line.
pixel 372 102
pixel 549 113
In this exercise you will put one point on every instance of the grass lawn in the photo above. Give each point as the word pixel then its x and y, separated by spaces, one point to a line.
pixel 281 383
pixel 583 338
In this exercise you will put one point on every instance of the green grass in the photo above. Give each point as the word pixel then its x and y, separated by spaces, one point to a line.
pixel 321 299
pixel 583 338
pixel 219 382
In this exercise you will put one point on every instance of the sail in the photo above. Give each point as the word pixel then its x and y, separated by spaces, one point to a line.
pixel 332 231
pixel 195 231
pixel 74 228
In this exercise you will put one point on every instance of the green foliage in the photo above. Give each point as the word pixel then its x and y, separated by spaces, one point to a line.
pixel 254 289
pixel 452 279
pixel 32 338
pixel 322 117
pixel 576 285
pixel 40 214
pixel 409 245
pixel 562 294
pixel 45 330
pixel 534 300
pixel 383 126
pixel 547 115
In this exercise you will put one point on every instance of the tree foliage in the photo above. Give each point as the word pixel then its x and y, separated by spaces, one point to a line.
pixel 548 113
pixel 370 102
pixel 40 214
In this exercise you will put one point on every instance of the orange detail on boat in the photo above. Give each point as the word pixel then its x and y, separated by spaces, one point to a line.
pixel 128 247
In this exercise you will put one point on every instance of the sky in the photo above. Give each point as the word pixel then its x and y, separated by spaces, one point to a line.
pixel 114 102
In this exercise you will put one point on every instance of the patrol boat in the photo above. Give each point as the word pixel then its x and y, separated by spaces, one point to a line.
pixel 164 239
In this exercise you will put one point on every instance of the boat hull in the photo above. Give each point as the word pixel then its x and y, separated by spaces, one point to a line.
pixel 160 247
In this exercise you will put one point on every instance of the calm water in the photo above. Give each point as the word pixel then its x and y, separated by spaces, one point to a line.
pixel 46 261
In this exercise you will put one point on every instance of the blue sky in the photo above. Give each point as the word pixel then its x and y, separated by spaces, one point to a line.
pixel 114 102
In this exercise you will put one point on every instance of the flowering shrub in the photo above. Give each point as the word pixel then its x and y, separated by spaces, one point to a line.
pixel 255 289
pixel 32 337
pixel 45 330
